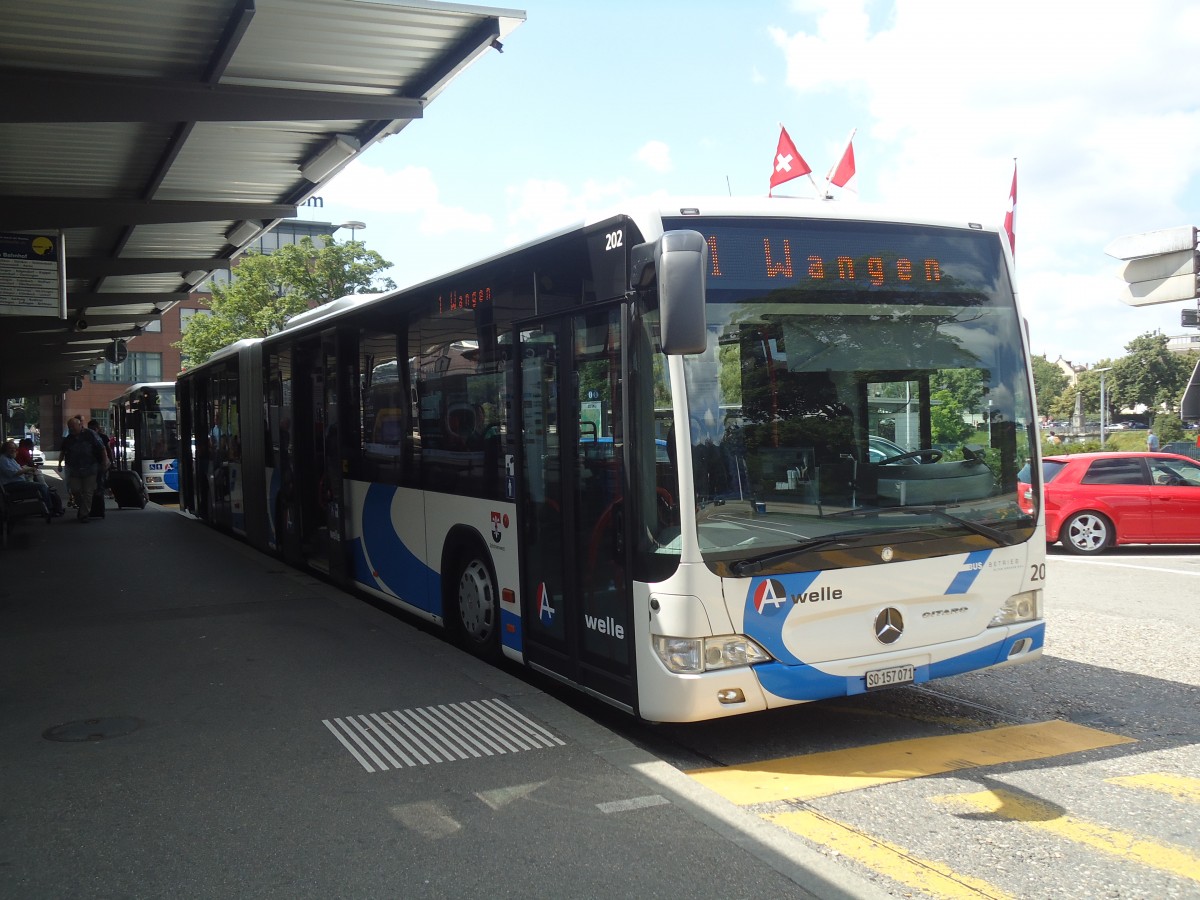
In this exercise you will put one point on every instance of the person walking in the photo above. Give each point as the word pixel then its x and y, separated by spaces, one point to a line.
pixel 1151 441
pixel 84 458
pixel 101 476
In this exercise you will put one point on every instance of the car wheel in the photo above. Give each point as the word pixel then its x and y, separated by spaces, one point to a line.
pixel 476 606
pixel 1086 532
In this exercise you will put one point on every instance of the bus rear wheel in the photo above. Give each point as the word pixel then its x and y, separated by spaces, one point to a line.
pixel 476 606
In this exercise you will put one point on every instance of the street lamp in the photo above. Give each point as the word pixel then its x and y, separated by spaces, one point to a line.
pixel 353 226
pixel 1102 404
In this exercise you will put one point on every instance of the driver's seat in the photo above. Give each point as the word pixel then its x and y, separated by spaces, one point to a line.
pixel 838 483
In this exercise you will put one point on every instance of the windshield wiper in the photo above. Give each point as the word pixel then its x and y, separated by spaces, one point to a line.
pixel 754 564
pixel 1000 537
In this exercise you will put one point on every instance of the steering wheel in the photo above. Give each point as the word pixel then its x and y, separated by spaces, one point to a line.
pixel 930 455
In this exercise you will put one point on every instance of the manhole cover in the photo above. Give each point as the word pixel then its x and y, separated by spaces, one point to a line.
pixel 93 729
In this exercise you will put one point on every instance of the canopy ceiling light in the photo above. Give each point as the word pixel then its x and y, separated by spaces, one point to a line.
pixel 242 232
pixel 329 157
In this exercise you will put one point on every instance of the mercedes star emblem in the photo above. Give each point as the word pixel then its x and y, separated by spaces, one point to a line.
pixel 889 625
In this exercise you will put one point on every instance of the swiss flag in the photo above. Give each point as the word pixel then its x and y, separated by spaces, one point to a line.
pixel 789 163
pixel 840 174
pixel 1010 218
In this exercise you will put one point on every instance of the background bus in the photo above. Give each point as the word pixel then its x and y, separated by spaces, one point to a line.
pixel 655 455
pixel 145 428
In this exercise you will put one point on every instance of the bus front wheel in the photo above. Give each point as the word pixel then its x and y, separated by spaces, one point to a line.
pixel 476 613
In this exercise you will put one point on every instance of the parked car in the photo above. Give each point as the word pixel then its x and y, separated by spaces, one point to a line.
pixel 880 449
pixel 1094 501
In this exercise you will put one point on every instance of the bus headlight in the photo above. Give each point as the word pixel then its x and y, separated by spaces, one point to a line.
pixel 691 656
pixel 1023 607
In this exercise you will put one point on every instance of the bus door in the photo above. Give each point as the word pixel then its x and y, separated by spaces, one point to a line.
pixel 576 603
pixel 318 466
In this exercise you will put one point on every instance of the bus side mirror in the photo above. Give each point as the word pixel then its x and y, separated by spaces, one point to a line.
pixel 680 263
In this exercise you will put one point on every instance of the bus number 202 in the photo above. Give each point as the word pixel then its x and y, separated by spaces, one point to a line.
pixel 614 239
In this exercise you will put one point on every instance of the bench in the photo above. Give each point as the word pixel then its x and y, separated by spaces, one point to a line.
pixel 20 501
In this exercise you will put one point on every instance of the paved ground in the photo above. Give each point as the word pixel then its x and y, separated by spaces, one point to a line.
pixel 182 716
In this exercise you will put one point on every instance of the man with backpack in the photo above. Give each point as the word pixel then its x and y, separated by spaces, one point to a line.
pixel 85 458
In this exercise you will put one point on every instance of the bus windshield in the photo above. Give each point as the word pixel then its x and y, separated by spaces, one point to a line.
pixel 861 379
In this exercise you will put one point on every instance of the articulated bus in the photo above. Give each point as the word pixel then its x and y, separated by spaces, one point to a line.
pixel 145 427
pixel 696 461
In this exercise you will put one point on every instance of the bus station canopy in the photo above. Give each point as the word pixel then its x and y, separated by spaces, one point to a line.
pixel 159 138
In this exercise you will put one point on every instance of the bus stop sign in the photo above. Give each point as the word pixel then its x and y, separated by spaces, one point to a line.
pixel 1161 266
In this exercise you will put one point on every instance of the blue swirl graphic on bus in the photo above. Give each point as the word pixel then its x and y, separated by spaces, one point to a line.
pixel 382 561
pixel 171 475
pixel 971 568
pixel 767 609
pixel 805 682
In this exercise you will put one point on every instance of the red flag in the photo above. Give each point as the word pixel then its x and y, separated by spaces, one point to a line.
pixel 789 163
pixel 840 174
pixel 1010 218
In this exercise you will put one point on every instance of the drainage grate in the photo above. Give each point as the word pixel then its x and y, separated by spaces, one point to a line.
pixel 435 734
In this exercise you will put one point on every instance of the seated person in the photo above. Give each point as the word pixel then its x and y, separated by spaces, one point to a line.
pixel 13 473
pixel 24 457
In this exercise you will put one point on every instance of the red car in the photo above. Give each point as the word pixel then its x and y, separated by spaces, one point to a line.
pixel 1099 500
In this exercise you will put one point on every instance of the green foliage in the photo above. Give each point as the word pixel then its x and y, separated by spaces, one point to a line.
pixel 1049 382
pixel 965 385
pixel 1168 428
pixel 946 418
pixel 1150 374
pixel 730 374
pixel 1068 447
pixel 268 289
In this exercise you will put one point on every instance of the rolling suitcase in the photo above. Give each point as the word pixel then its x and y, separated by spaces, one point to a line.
pixel 128 489
pixel 97 510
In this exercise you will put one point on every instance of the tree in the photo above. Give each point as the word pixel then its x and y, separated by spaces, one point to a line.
pixel 268 289
pixel 1087 386
pixel 967 386
pixel 1150 375
pixel 1049 382
pixel 947 419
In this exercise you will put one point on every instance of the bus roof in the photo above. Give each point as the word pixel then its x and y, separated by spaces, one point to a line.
pixel 142 385
pixel 647 213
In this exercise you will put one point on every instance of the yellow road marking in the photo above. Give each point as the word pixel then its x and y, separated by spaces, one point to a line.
pixel 888 859
pixel 838 771
pixel 1178 786
pixel 1046 817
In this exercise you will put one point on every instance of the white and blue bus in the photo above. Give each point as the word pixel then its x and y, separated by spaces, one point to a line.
pixel 700 460
pixel 146 431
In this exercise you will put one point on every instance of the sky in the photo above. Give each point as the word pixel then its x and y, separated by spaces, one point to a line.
pixel 591 105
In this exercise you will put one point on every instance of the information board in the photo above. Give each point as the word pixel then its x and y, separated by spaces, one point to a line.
pixel 32 281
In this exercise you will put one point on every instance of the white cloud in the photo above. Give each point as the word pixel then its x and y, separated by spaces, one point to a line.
pixel 1098 105
pixel 410 191
pixel 656 155
pixel 538 207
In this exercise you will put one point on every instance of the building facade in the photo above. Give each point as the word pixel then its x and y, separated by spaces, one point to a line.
pixel 153 355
